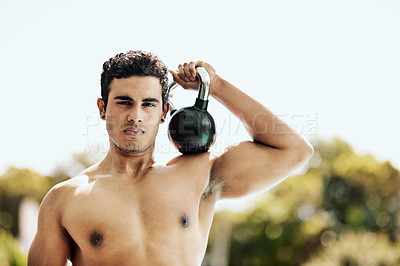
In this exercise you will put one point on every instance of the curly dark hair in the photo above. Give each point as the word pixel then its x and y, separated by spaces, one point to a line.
pixel 133 63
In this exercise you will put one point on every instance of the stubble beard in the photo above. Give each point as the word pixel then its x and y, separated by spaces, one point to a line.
pixel 134 148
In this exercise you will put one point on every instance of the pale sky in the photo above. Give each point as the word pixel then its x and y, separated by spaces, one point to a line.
pixel 329 68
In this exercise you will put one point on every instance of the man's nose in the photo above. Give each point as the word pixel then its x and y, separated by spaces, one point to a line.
pixel 136 115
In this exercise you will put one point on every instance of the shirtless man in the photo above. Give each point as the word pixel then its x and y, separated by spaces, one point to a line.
pixel 125 210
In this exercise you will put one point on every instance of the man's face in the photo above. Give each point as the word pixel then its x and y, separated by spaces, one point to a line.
pixel 134 112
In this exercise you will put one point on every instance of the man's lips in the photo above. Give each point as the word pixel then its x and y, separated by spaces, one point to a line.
pixel 134 132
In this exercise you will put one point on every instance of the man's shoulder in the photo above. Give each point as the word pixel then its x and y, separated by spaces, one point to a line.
pixel 62 191
pixel 70 184
pixel 195 158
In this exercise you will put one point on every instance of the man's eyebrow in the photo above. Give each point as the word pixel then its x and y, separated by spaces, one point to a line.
pixel 127 98
pixel 123 97
pixel 150 100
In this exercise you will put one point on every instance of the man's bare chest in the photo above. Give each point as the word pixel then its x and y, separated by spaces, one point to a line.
pixel 100 215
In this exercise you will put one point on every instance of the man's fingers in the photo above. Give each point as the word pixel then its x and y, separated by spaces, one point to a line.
pixel 188 74
pixel 182 73
pixel 207 66
pixel 176 77
pixel 192 69
pixel 199 63
pixel 188 71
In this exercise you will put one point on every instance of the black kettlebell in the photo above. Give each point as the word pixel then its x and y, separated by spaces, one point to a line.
pixel 192 129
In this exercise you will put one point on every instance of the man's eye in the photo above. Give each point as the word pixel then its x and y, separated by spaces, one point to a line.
pixel 124 103
pixel 148 104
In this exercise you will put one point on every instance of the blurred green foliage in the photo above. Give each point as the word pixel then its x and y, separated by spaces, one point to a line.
pixel 342 193
pixel 16 184
pixel 9 251
pixel 359 248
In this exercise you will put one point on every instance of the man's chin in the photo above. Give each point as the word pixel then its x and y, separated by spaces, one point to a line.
pixel 132 147
pixel 133 150
pixel 136 149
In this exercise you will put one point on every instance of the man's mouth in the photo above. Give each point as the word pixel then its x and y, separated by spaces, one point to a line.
pixel 134 132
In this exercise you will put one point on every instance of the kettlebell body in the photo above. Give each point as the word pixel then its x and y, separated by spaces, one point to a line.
pixel 192 129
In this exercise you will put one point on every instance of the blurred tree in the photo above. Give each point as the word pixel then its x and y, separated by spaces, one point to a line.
pixel 15 184
pixel 361 248
pixel 77 163
pixel 341 192
pixel 9 251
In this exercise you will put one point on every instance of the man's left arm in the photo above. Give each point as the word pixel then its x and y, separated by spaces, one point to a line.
pixel 250 166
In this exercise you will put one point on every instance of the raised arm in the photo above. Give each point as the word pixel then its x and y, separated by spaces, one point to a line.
pixel 256 166
pixel 52 244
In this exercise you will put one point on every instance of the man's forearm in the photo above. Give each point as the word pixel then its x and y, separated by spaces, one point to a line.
pixel 262 124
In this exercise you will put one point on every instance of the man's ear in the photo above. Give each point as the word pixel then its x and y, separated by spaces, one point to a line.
pixel 165 112
pixel 102 109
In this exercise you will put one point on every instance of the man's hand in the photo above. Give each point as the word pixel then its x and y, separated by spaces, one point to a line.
pixel 186 76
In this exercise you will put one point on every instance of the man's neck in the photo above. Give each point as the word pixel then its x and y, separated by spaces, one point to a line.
pixel 119 162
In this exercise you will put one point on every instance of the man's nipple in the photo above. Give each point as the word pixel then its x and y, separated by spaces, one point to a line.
pixel 96 239
pixel 185 221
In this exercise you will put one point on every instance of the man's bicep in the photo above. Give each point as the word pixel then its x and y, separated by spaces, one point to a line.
pixel 251 167
pixel 52 244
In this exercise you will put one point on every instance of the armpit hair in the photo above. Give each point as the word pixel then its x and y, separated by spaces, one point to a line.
pixel 213 188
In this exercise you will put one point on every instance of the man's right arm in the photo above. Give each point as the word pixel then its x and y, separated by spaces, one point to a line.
pixel 52 244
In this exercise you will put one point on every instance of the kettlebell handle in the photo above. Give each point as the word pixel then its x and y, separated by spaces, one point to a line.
pixel 204 86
